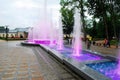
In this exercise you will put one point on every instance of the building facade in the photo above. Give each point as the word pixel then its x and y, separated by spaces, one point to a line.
pixel 14 33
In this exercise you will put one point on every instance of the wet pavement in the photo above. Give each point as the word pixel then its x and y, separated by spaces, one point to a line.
pixel 18 63
pixel 30 63
pixel 104 50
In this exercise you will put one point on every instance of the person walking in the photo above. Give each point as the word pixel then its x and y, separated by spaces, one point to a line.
pixel 105 42
pixel 88 44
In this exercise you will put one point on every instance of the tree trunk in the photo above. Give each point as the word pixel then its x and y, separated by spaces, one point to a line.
pixel 82 17
pixel 106 27
pixel 114 27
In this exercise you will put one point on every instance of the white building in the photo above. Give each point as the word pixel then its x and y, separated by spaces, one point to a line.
pixel 15 33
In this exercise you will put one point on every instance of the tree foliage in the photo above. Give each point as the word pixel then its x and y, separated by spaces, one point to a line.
pixel 107 11
pixel 67 17
pixel 69 6
pixel 67 20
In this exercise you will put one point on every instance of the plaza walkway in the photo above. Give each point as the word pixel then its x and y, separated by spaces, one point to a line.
pixel 104 50
pixel 18 63
pixel 30 63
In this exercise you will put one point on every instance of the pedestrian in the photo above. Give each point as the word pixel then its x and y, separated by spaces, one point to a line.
pixel 105 42
pixel 67 38
pixel 108 44
pixel 88 44
pixel 94 42
pixel 71 40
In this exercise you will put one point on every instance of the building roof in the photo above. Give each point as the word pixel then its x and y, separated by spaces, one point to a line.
pixel 19 30
pixel 12 31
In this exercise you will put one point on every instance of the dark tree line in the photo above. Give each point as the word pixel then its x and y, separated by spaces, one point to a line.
pixel 107 12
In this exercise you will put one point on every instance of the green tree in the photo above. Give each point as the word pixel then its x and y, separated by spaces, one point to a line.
pixel 114 9
pixel 67 20
pixel 98 8
pixel 72 4
pixel 108 11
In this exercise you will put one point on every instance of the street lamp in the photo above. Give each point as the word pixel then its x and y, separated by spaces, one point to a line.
pixel 6 30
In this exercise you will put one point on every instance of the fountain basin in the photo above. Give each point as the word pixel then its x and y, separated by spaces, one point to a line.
pixel 77 64
pixel 42 41
pixel 109 69
pixel 38 41
pixel 84 55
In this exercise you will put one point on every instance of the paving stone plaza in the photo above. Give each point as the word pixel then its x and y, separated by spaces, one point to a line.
pixel 29 63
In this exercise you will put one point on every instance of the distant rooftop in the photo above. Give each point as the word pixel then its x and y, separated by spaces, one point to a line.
pixel 3 29
pixel 13 31
pixel 19 30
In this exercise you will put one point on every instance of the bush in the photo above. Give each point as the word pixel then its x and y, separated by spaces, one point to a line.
pixel 114 42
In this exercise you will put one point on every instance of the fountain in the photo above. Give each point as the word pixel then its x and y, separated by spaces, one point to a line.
pixel 52 31
pixel 76 33
pixel 52 34
pixel 60 36
pixel 40 36
pixel 43 32
pixel 108 69
pixel 76 52
pixel 30 35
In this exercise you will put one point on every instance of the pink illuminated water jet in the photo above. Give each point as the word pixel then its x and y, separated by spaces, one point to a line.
pixel 43 32
pixel 30 35
pixel 77 43
pixel 60 35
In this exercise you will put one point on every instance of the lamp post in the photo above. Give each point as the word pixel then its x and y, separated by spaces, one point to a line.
pixel 6 30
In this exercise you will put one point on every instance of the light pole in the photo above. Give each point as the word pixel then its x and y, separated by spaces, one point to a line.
pixel 6 30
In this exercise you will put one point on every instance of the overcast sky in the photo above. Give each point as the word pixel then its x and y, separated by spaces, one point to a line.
pixel 25 13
